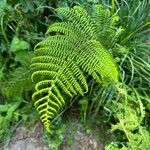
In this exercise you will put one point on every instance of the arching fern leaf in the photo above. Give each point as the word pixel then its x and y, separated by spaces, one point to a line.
pixel 71 50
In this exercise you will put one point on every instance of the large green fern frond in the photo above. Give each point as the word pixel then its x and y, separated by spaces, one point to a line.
pixel 104 24
pixel 69 52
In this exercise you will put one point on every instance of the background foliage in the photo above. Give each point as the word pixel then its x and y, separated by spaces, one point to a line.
pixel 124 112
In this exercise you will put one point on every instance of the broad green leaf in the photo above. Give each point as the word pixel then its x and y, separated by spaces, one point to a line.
pixel 18 44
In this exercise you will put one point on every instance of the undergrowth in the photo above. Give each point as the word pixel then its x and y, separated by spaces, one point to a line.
pixel 122 110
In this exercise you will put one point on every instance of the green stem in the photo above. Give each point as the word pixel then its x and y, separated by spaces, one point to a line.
pixel 2 28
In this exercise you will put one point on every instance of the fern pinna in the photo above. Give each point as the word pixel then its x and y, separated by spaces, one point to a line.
pixel 72 49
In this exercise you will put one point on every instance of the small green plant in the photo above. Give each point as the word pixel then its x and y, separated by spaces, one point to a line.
pixel 54 141
pixel 7 114
pixel 129 115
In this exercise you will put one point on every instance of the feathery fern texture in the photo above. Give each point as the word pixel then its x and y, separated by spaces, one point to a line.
pixel 15 82
pixel 104 24
pixel 62 59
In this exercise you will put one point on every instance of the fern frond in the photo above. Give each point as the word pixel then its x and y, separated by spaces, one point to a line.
pixel 96 61
pixel 18 80
pixel 104 23
pixel 16 84
pixel 69 52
